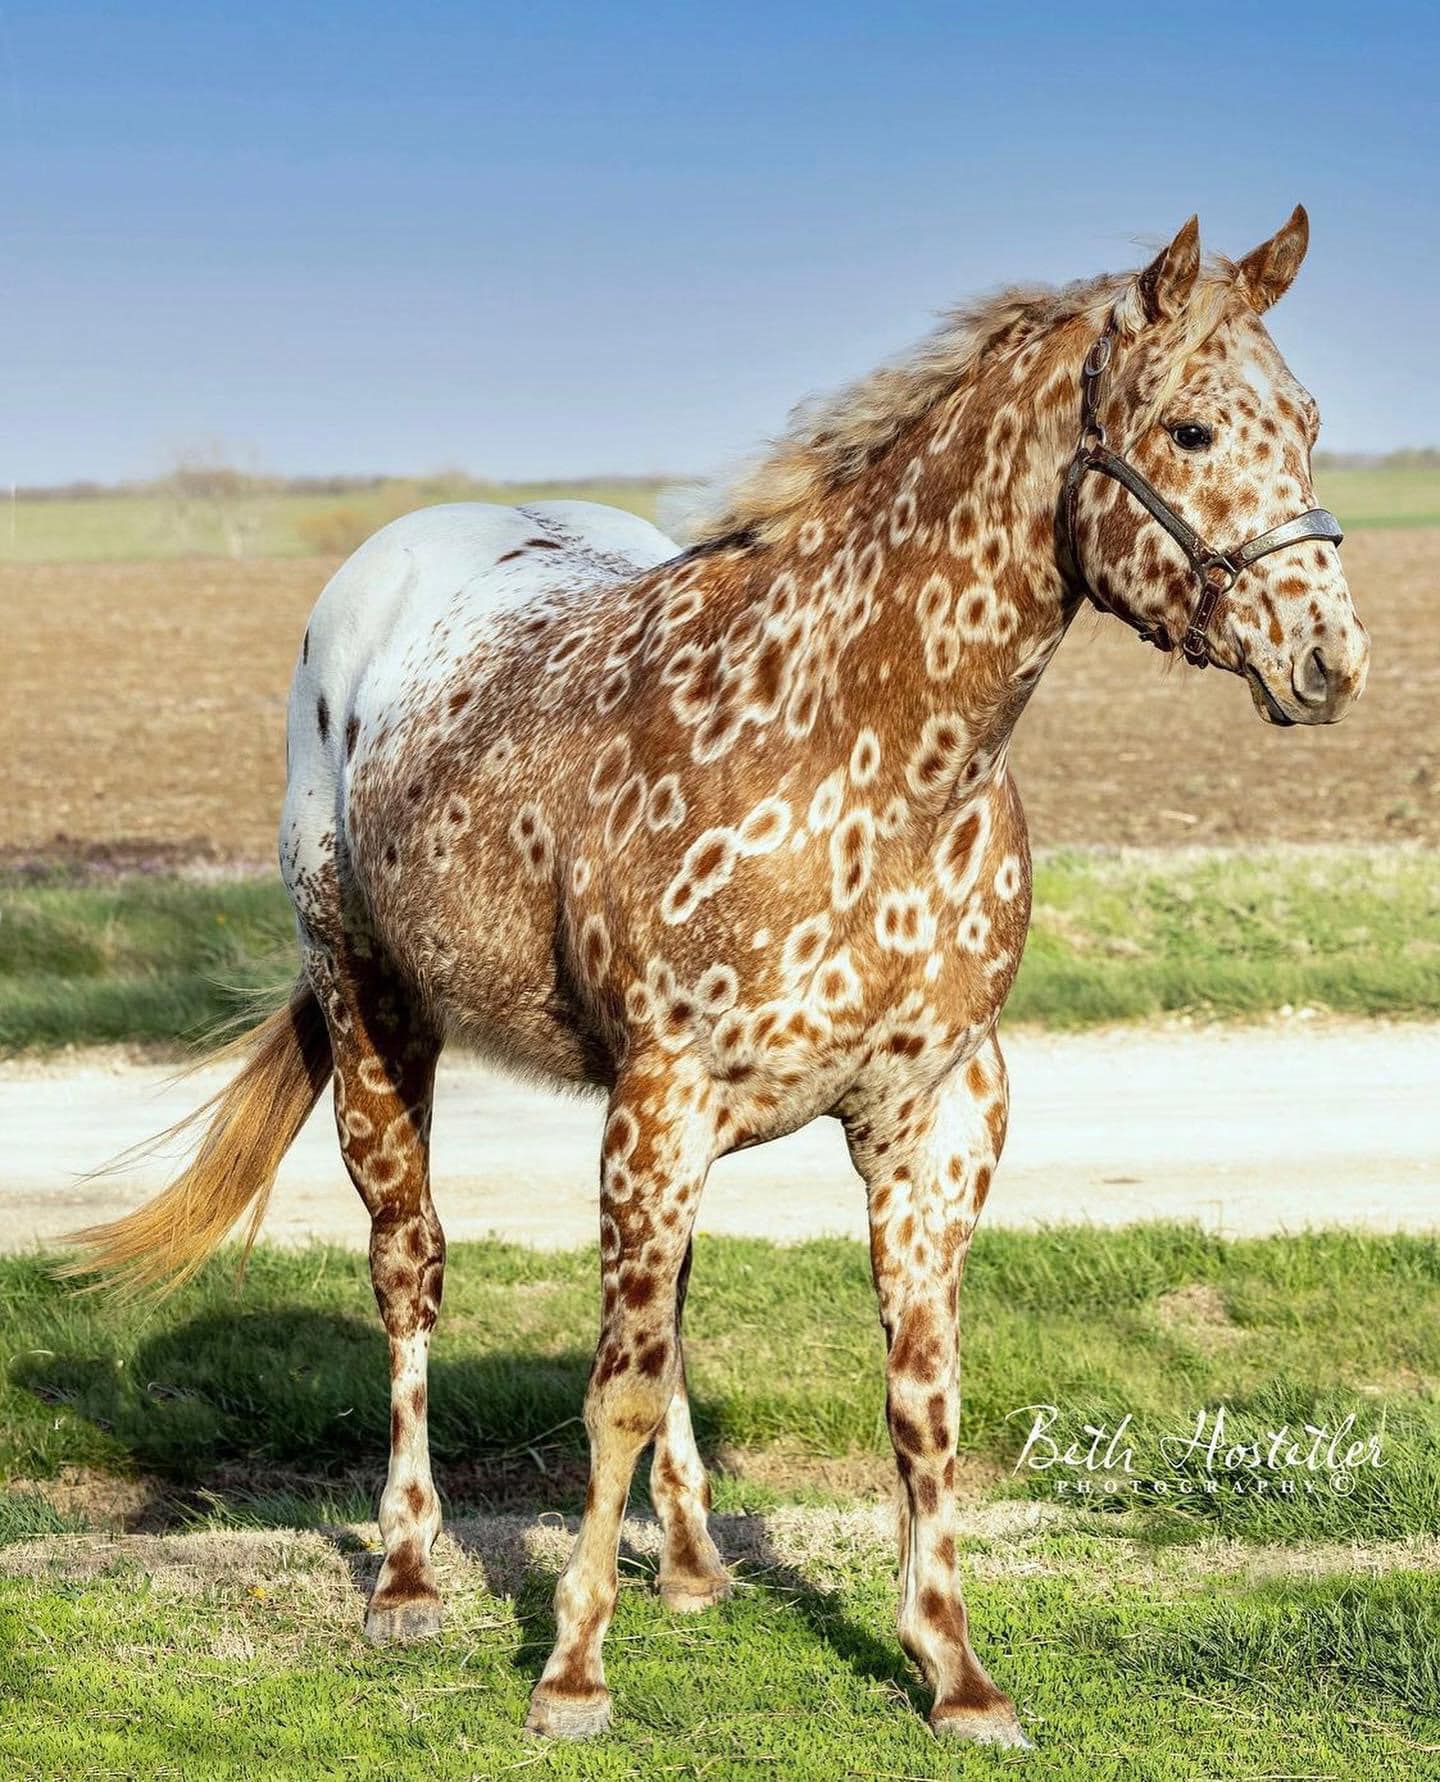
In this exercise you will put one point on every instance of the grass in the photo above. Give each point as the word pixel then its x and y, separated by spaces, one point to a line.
pixel 153 523
pixel 144 527
pixel 1125 937
pixel 144 958
pixel 1115 938
pixel 287 1382
pixel 1148 1642
pixel 122 1675
pixel 1382 494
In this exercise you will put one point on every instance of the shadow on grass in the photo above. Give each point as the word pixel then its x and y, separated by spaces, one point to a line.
pixel 267 1402
pixel 746 1548
pixel 281 1417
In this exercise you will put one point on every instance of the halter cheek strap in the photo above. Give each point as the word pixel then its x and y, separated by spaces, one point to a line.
pixel 1215 571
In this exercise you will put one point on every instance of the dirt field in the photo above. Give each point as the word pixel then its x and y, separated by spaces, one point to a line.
pixel 144 712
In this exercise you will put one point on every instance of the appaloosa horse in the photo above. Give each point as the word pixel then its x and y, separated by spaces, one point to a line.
pixel 730 835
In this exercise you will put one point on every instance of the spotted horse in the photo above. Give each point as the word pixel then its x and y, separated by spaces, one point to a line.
pixel 729 835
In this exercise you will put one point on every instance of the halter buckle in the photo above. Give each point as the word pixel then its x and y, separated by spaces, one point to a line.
pixel 1194 646
pixel 1216 585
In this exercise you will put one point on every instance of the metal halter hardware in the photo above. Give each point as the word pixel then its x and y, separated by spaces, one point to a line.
pixel 1215 572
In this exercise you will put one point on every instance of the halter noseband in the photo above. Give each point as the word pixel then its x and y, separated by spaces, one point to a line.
pixel 1215 572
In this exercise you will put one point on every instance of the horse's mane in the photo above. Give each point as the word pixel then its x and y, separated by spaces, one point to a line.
pixel 830 440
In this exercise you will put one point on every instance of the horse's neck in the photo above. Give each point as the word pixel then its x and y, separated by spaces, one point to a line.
pixel 962 508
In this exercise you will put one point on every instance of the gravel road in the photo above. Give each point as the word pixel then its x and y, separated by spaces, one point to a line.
pixel 1248 1130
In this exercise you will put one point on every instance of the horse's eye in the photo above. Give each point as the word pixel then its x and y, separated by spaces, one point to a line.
pixel 1191 436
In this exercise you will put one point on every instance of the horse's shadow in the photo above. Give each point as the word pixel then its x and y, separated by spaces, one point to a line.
pixel 503 1553
pixel 262 1415
pixel 746 1546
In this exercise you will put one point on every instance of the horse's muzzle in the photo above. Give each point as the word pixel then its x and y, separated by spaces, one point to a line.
pixel 1321 684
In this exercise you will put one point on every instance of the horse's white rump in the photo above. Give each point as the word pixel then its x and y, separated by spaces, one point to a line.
pixel 398 615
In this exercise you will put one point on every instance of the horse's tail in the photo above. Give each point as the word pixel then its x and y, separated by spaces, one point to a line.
pixel 249 1126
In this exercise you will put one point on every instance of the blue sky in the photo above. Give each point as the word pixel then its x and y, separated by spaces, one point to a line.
pixel 554 239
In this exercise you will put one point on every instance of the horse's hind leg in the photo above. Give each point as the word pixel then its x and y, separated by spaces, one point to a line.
pixel 657 1149
pixel 692 1574
pixel 385 1055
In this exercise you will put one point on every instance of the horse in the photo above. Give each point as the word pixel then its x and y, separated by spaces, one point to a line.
pixel 729 834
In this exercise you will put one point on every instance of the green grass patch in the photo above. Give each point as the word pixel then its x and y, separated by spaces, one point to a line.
pixel 1116 937
pixel 1121 937
pixel 215 512
pixel 128 1674
pixel 1395 494
pixel 227 515
pixel 1136 1644
pixel 247 1393
pixel 141 959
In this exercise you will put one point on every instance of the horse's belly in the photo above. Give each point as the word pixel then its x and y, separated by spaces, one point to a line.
pixel 478 942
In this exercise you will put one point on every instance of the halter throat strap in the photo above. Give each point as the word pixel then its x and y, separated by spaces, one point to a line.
pixel 1215 571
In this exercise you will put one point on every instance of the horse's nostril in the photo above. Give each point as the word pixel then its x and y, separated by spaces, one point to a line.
pixel 1311 679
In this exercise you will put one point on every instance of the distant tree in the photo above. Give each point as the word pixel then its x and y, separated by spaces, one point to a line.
pixel 210 500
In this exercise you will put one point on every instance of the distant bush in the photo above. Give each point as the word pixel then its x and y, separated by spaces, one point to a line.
pixel 336 531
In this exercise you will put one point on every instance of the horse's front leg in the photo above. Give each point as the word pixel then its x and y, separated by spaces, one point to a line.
pixel 927 1164
pixel 692 1574
pixel 656 1152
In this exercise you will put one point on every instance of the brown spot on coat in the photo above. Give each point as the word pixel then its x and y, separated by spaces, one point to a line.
pixel 709 858
pixel 612 1363
pixel 944 1614
pixel 405 1580
pixel 638 1289
pixel 916 1350
pixel 907 1434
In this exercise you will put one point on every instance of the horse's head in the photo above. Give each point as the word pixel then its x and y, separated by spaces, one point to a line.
pixel 1192 392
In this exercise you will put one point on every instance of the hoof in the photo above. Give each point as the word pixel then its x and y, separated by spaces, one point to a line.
pixel 393 1624
pixel 996 1724
pixel 691 1596
pixel 569 1717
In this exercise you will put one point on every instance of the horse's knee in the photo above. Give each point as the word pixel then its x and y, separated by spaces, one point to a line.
pixel 631 1383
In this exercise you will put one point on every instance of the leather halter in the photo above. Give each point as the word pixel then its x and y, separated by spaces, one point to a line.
pixel 1215 572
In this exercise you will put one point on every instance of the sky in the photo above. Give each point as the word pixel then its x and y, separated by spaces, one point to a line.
pixel 551 240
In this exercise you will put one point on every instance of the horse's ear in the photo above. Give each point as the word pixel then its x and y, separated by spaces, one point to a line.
pixel 1268 271
pixel 1166 283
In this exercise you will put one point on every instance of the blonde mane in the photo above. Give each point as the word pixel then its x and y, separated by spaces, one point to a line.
pixel 831 439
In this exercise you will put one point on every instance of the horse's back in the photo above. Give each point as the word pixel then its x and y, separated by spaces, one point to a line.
pixel 394 620
pixel 467 559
